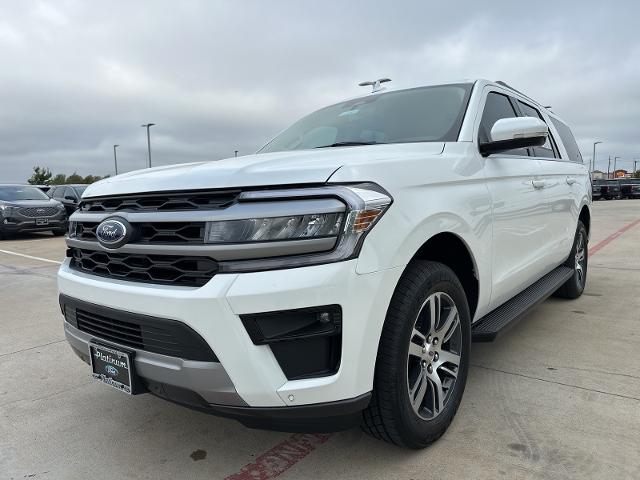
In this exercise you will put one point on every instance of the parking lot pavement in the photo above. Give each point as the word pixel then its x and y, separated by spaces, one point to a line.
pixel 558 396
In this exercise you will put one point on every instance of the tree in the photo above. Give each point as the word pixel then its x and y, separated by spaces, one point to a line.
pixel 40 176
pixel 75 178
pixel 59 179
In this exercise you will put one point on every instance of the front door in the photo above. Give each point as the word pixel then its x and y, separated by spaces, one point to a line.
pixel 520 209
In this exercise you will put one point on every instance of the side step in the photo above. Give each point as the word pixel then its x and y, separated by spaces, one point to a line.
pixel 506 315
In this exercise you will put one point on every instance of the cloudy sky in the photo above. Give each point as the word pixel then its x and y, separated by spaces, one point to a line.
pixel 77 77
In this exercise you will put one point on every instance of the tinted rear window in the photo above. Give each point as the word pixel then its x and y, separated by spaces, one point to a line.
pixel 568 140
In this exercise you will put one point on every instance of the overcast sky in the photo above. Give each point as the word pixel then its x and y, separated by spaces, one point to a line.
pixel 77 76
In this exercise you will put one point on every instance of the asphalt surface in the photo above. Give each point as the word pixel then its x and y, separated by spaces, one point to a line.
pixel 558 396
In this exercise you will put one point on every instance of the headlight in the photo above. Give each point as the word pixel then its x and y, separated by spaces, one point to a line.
pixel 276 228
pixel 305 226
pixel 60 206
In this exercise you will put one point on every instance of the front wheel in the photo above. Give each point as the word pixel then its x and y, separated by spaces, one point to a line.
pixel 579 261
pixel 423 358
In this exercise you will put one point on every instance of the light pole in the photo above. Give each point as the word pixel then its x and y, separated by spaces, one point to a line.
pixel 615 161
pixel 635 161
pixel 115 158
pixel 609 167
pixel 593 159
pixel 148 125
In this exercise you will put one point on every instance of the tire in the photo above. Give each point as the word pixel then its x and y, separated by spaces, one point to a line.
pixel 574 287
pixel 391 416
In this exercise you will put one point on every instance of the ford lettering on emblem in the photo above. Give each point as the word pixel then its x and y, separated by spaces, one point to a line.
pixel 111 370
pixel 113 233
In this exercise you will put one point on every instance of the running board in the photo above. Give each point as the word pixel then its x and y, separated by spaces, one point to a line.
pixel 506 315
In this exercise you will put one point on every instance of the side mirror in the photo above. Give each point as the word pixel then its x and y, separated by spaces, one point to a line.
pixel 73 199
pixel 517 132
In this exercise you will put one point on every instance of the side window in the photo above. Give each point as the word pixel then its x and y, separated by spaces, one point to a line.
pixel 496 107
pixel 546 150
pixel 569 142
pixel 68 192
pixel 57 192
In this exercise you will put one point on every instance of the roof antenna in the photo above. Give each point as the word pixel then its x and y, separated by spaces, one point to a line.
pixel 375 84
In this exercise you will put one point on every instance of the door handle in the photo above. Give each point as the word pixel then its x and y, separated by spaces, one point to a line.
pixel 538 184
pixel 571 180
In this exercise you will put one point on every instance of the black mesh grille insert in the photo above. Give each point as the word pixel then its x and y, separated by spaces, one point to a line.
pixel 141 332
pixel 166 233
pixel 159 269
pixel 161 202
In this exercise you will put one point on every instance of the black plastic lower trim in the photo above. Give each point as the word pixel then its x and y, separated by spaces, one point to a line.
pixel 143 332
pixel 314 418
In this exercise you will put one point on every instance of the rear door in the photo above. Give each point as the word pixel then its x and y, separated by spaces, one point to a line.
pixel 520 211
pixel 563 179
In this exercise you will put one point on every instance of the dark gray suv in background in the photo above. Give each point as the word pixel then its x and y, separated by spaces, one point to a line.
pixel 24 208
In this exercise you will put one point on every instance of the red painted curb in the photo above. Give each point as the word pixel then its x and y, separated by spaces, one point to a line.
pixel 603 243
pixel 281 457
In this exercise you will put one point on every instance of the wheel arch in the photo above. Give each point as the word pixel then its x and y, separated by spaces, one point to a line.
pixel 451 250
pixel 585 218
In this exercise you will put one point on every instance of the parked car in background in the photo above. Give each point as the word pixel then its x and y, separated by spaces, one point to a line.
pixel 596 189
pixel 25 208
pixel 339 275
pixel 613 189
pixel 609 189
pixel 68 195
pixel 44 188
pixel 630 188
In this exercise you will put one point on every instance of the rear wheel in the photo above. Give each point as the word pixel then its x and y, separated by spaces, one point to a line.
pixel 423 358
pixel 579 261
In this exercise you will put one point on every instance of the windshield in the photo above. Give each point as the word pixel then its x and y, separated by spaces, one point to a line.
pixel 80 189
pixel 425 114
pixel 22 193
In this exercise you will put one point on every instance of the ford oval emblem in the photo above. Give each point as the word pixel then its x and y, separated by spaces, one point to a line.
pixel 111 370
pixel 113 233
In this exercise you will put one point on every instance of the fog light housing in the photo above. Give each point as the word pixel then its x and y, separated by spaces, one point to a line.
pixel 306 342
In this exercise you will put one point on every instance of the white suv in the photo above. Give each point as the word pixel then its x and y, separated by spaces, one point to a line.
pixel 339 275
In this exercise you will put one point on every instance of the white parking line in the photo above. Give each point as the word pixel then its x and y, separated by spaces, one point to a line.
pixel 30 256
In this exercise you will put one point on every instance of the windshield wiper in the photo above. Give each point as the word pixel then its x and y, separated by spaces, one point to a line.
pixel 349 144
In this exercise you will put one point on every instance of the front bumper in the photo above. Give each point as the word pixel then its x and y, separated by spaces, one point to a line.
pixel 256 379
pixel 15 223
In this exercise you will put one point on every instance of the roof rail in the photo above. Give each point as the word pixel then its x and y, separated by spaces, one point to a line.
pixel 506 85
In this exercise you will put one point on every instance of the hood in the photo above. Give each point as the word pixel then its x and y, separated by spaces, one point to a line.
pixel 31 203
pixel 278 168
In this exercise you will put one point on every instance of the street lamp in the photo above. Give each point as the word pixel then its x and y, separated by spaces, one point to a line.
pixel 148 125
pixel 593 159
pixel 115 158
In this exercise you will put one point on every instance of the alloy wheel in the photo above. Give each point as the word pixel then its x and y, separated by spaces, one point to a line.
pixel 433 360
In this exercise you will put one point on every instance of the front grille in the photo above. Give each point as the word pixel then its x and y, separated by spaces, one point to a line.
pixel 142 332
pixel 161 202
pixel 34 212
pixel 189 271
pixel 167 233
